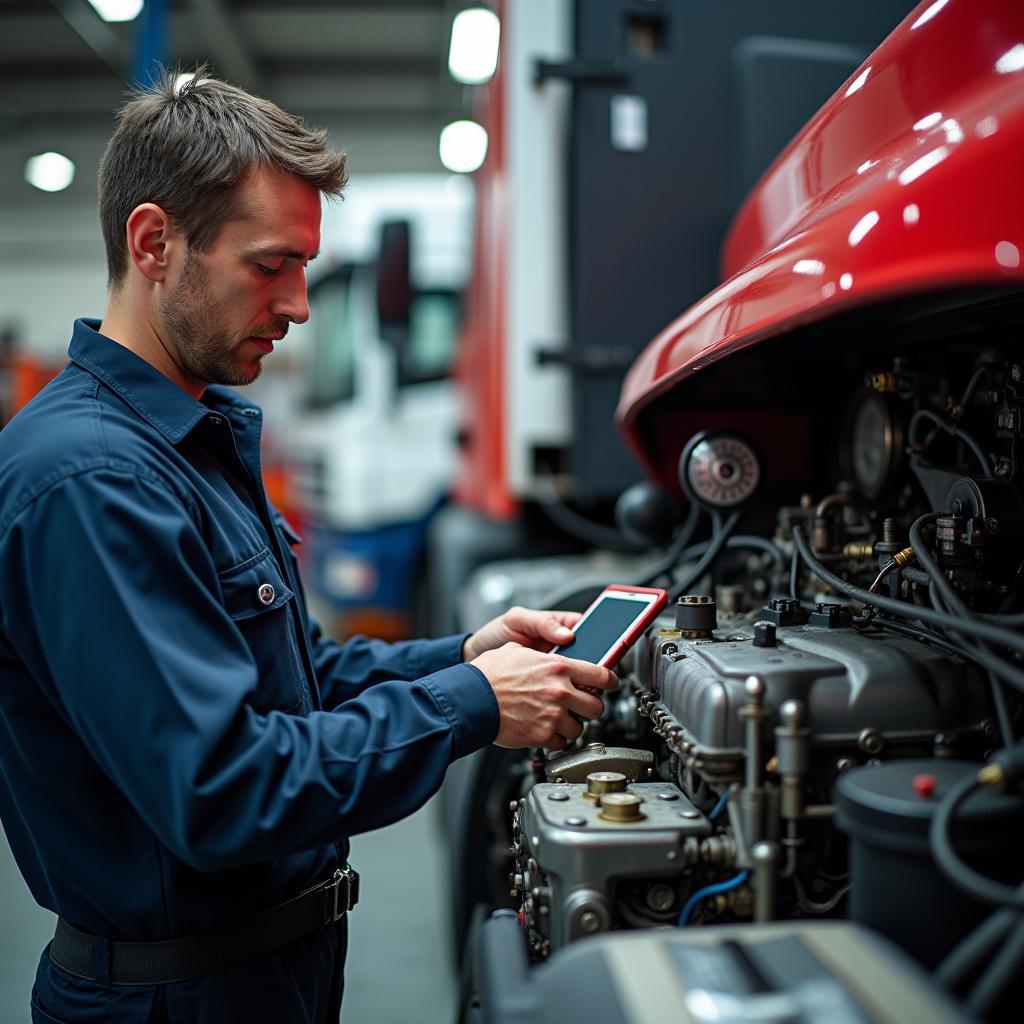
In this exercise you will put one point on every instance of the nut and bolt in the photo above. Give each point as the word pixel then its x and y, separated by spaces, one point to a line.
pixel 890 531
pixel 871 741
pixel 660 897
pixel 589 922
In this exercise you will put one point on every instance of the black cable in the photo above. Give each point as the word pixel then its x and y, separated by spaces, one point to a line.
pixel 740 542
pixel 794 576
pixel 990 986
pixel 972 385
pixel 714 548
pixel 964 877
pixel 985 630
pixel 975 655
pixel 580 527
pixel 944 594
pixel 967 953
pixel 918 576
pixel 565 597
pixel 955 431
pixel 924 557
pixel 568 597
pixel 672 555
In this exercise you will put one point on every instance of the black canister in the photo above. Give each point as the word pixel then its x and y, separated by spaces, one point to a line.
pixel 896 886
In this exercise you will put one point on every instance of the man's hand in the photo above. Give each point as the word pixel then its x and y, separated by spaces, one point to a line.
pixel 539 694
pixel 539 631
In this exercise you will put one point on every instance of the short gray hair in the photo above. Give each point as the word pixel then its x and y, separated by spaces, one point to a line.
pixel 186 146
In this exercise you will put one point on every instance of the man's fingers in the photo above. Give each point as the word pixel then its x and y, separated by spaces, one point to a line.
pixel 567 618
pixel 568 727
pixel 586 673
pixel 585 705
pixel 556 626
pixel 556 743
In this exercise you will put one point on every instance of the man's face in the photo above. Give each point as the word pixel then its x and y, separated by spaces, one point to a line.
pixel 226 308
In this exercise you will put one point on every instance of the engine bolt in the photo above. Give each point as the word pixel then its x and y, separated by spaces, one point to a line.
pixel 890 530
pixel 764 634
pixel 870 741
pixel 660 897
pixel 589 922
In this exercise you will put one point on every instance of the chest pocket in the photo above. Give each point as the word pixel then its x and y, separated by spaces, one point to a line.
pixel 262 606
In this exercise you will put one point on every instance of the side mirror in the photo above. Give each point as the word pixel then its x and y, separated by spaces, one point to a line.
pixel 394 283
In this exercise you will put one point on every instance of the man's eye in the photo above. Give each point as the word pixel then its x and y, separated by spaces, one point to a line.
pixel 268 271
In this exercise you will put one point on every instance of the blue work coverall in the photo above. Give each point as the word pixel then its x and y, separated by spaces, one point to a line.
pixel 180 746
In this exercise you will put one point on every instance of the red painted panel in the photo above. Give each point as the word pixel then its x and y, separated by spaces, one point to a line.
pixel 481 481
pixel 907 181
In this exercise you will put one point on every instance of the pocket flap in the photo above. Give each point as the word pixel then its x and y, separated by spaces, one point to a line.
pixel 254 587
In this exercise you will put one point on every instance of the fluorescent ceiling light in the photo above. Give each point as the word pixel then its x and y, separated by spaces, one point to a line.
pixel 463 146
pixel 473 54
pixel 51 172
pixel 117 10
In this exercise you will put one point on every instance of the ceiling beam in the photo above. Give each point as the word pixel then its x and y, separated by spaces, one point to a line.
pixel 230 57
pixel 95 33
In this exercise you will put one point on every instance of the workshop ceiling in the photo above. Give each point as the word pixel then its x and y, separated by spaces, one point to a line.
pixel 375 66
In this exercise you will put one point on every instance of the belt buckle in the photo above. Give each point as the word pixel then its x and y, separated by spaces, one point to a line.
pixel 342 893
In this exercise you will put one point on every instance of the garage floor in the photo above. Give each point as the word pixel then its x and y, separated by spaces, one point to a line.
pixel 399 967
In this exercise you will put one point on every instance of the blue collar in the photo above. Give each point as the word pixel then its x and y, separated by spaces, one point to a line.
pixel 156 398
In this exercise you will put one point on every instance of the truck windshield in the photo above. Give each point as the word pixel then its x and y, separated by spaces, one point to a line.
pixel 331 369
pixel 433 332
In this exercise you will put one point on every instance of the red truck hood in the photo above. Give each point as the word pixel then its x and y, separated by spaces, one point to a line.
pixel 907 181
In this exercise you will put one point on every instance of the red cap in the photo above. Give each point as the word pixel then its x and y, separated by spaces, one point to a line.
pixel 924 785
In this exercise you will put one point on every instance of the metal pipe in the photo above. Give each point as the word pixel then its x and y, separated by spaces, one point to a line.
pixel 766 857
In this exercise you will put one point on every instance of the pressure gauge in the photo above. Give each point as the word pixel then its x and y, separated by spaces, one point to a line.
pixel 719 469
pixel 875 443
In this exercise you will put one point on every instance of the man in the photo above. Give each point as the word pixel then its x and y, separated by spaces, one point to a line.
pixel 183 753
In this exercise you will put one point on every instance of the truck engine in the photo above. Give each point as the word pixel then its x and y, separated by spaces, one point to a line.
pixel 784 737
pixel 804 801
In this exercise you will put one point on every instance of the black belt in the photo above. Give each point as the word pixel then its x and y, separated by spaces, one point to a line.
pixel 158 963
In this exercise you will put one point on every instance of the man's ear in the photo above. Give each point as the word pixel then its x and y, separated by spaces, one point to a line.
pixel 153 241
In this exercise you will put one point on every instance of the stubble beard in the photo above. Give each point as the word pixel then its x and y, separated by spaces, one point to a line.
pixel 204 349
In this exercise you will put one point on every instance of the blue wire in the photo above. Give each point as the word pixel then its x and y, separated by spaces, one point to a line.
pixel 710 890
pixel 720 806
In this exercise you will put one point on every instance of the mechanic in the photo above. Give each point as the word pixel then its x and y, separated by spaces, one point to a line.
pixel 183 752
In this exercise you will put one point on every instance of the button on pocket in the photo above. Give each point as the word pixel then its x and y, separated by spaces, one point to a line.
pixel 262 607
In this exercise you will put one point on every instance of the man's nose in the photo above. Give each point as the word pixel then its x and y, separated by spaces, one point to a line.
pixel 292 302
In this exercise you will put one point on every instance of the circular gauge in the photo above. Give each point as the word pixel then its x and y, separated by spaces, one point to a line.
pixel 720 469
pixel 876 444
